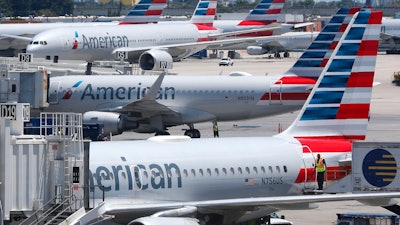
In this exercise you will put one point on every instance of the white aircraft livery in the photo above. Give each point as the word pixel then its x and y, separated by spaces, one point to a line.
pixel 177 180
pixel 15 37
pixel 150 104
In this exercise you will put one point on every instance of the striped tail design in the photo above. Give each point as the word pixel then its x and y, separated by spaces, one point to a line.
pixel 266 12
pixel 204 13
pixel 313 60
pixel 338 106
pixel 145 11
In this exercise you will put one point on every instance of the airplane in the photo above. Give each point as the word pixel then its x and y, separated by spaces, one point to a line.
pixel 157 41
pixel 148 104
pixel 15 37
pixel 179 180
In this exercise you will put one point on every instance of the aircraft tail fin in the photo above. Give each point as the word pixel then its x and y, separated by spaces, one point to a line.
pixel 145 11
pixel 314 59
pixel 265 13
pixel 204 13
pixel 338 106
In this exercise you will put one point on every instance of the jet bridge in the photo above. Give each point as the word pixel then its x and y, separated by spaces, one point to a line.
pixel 41 176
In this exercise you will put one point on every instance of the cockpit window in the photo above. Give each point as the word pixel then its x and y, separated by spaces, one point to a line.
pixel 38 43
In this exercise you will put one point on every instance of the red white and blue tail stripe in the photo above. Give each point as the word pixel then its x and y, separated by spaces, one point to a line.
pixel 338 106
pixel 314 59
pixel 265 13
pixel 145 11
pixel 204 13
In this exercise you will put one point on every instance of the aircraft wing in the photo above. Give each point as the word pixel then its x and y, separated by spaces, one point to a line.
pixel 255 30
pixel 25 38
pixel 179 51
pixel 138 208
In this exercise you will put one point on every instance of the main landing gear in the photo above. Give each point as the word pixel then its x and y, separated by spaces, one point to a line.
pixel 89 68
pixel 193 133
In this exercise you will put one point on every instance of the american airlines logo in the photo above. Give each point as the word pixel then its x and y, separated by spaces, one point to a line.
pixel 106 41
pixel 124 93
pixel 131 177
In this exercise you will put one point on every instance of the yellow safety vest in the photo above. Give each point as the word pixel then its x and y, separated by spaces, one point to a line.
pixel 320 165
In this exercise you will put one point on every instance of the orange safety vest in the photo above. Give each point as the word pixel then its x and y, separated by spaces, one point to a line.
pixel 320 165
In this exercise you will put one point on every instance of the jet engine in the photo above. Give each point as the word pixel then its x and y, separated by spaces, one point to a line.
pixel 157 60
pixel 256 50
pixel 113 123
pixel 164 220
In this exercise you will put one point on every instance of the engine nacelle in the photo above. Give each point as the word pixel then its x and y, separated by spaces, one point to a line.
pixel 157 60
pixel 112 122
pixel 256 50
pixel 164 220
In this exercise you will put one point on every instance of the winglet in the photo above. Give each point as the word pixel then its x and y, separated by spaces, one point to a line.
pixel 152 93
pixel 145 11
pixel 338 106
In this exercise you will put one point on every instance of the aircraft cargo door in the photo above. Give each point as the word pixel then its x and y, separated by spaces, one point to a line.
pixel 54 95
pixel 309 179
pixel 275 92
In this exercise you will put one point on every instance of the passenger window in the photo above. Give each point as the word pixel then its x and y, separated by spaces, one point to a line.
pixel 193 172
pixel 201 172
pixel 278 169
pixel 263 169
pixel 232 170
pixel 247 170
pixel 285 169
pixel 185 173
pixel 255 170
pixel 209 171
pixel 224 171
pixel 240 170
pixel 217 171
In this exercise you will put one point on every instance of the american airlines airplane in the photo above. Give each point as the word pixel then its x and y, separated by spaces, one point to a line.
pixel 178 180
pixel 156 41
pixel 150 104
pixel 15 37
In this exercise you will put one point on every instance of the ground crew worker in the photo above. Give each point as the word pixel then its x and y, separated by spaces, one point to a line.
pixel 215 129
pixel 320 167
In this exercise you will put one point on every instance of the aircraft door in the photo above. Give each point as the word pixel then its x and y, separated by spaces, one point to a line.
pixel 54 94
pixel 275 93
pixel 310 178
